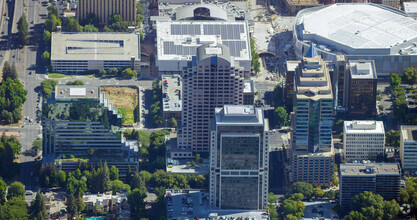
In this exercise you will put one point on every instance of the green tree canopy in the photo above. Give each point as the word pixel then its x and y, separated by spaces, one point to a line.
pixel 23 30
pixel 46 56
pixel 90 28
pixel 15 208
pixel 395 81
pixel 48 86
pixel 355 215
pixel 16 189
pixel 393 138
pixel 76 82
pixel 114 173
pixel 136 201
pixel 282 116
pixel 37 209
pixel 304 188
pixel 295 208
pixel 3 187
pixel 9 71
pixel 172 123
pixel 46 36
pixel 72 25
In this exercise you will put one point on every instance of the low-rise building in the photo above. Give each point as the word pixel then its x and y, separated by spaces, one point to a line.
pixel 314 168
pixel 380 178
pixel 410 8
pixel 171 97
pixel 294 6
pixel 408 147
pixel 363 140
pixel 80 52
pixel 80 122
pixel 106 201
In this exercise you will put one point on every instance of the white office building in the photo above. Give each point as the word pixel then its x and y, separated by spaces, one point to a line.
pixel 408 147
pixel 239 158
pixel 363 140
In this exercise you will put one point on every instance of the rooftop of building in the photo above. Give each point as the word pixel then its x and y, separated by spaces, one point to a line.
pixel 182 10
pixel 362 69
pixel 77 92
pixel 318 154
pixel 369 169
pixel 308 3
pixel 172 93
pixel 249 88
pixel 410 7
pixel 363 127
pixel 103 197
pixel 95 46
pixel 193 204
pixel 409 132
pixel 358 26
pixel 313 81
pixel 208 50
pixel 240 115
pixel 179 40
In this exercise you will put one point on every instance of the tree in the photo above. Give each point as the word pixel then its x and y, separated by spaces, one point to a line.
pixel 172 123
pixel 355 215
pixel 3 187
pixel 115 18
pixel 90 28
pixel 318 192
pixel 271 198
pixel 16 189
pixel 393 138
pixel 391 210
pixel 15 208
pixel 46 56
pixel 23 30
pixel 46 36
pixel 76 82
pixel 304 188
pixel 48 86
pixel 37 145
pixel 72 25
pixel 369 204
pixel 52 21
pixel 129 73
pixel 291 207
pixel 330 194
pixel 37 208
pixel 136 201
pixel 297 197
pixel 9 71
pixel 118 185
pixel 114 173
pixel 410 76
pixel 282 116
pixel 61 178
pixel 395 81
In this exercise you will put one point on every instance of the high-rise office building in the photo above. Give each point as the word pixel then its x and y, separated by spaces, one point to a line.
pixel 360 89
pixel 314 103
pixel 211 80
pixel 104 9
pixel 408 147
pixel 381 178
pixel 239 158
pixel 312 153
pixel 363 140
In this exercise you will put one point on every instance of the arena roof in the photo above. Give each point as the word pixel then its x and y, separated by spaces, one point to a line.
pixel 359 26
pixel 188 11
pixel 94 46
pixel 178 40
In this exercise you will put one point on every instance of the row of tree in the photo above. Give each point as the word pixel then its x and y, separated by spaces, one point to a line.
pixel 114 72
pixel 156 110
pixel 255 57
pixel 9 151
pixel 13 205
pixel 12 95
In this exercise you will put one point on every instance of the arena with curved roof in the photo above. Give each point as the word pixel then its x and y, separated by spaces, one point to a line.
pixel 359 31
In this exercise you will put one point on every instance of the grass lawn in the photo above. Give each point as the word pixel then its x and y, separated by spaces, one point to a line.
pixel 58 75
pixel 125 99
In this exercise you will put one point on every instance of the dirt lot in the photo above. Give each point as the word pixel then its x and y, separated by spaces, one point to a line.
pixel 125 99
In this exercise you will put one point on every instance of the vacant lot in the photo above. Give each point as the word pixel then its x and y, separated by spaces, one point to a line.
pixel 125 99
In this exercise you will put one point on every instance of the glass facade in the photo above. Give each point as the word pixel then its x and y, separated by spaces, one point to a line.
pixel 239 153
pixel 239 193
